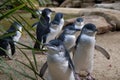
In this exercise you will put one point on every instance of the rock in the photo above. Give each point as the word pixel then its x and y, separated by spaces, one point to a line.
pixel 87 4
pixel 115 6
pixel 111 16
pixel 83 3
pixel 99 21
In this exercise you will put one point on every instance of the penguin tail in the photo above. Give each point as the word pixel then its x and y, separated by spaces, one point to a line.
pixel 43 69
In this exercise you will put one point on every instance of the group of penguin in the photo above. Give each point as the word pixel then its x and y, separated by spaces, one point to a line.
pixel 60 44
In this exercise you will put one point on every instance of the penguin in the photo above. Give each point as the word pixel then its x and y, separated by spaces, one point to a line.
pixel 56 26
pixel 84 53
pixel 7 43
pixel 84 50
pixel 60 65
pixel 43 27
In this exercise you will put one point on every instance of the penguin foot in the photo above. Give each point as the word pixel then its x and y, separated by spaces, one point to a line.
pixel 77 77
pixel 89 77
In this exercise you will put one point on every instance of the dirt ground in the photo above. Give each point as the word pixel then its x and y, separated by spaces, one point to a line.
pixel 103 69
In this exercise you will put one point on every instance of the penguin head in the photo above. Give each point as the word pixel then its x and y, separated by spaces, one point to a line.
pixel 79 21
pixel 17 26
pixel 71 30
pixel 58 19
pixel 55 46
pixel 89 29
pixel 47 12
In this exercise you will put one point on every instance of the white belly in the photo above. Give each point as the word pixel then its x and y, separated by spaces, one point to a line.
pixel 83 58
pixel 58 69
pixel 53 33
pixel 9 51
pixel 69 41
pixel 17 36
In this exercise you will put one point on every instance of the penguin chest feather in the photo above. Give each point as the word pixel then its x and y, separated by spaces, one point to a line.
pixel 9 52
pixel 84 54
pixel 18 35
pixel 69 41
pixel 58 68
pixel 53 33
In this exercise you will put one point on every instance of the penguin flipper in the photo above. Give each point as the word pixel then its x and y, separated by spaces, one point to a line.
pixel 103 51
pixel 12 46
pixel 72 49
pixel 70 63
pixel 43 69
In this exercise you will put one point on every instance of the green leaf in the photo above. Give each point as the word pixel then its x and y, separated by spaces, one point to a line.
pixel 4 3
pixel 10 12
pixel 7 35
pixel 35 61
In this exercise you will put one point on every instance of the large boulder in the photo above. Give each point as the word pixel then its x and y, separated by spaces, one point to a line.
pixel 83 3
pixel 115 6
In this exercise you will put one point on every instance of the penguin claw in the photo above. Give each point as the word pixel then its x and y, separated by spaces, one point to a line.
pixel 90 78
pixel 77 77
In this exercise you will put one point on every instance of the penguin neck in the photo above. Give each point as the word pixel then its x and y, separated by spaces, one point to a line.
pixel 55 57
pixel 78 27
pixel 45 19
pixel 61 23
pixel 86 35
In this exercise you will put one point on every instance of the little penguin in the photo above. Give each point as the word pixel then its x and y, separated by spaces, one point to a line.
pixel 60 65
pixel 84 50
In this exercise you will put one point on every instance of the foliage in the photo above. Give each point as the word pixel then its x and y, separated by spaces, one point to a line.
pixel 8 14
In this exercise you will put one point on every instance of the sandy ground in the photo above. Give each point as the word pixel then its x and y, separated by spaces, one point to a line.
pixel 103 69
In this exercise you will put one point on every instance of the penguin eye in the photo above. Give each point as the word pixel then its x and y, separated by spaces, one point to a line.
pixel 61 48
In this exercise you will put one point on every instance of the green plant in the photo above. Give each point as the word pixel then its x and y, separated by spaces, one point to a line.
pixel 31 65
